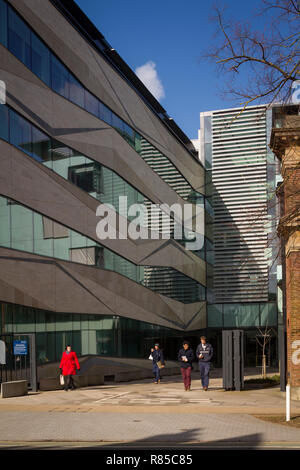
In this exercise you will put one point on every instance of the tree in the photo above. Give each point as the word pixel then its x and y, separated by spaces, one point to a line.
pixel 263 338
pixel 269 59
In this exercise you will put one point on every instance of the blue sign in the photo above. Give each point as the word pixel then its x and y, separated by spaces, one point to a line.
pixel 20 348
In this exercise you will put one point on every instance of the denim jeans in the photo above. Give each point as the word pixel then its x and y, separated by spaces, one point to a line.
pixel 204 368
pixel 156 372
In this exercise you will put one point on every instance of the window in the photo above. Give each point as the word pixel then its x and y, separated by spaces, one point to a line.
pixel 3 122
pixel 3 23
pixel 118 124
pixel 60 158
pixel 22 228
pixel 129 134
pixel 40 59
pixel 20 132
pixel 105 113
pixel 76 91
pixel 87 177
pixel 91 103
pixel 4 222
pixel 41 146
pixel 59 78
pixel 268 314
pixel 19 38
pixel 214 315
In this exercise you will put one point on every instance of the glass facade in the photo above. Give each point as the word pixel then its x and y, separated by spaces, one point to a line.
pixel 115 336
pixel 242 315
pixel 92 177
pixel 88 334
pixel 26 230
pixel 35 54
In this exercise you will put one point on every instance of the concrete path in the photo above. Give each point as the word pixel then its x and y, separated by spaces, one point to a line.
pixel 139 414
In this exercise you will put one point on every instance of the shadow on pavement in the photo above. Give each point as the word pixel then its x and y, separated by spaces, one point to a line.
pixel 186 440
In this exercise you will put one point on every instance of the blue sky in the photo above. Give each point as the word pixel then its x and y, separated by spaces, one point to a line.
pixel 173 35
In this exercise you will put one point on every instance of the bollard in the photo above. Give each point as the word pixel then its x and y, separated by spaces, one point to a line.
pixel 288 402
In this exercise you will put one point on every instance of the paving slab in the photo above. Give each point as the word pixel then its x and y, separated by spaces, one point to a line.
pixel 143 412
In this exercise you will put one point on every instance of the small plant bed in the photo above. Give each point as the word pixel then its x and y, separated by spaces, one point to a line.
pixel 280 419
pixel 261 382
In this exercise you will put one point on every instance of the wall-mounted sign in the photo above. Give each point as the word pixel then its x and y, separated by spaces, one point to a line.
pixel 20 348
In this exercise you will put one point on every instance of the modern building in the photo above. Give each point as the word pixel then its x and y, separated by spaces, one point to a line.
pixel 79 130
pixel 243 248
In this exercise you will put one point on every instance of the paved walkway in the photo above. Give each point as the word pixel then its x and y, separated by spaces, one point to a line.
pixel 145 414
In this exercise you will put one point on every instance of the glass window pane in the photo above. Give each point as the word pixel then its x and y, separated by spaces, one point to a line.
pixel 40 316
pixel 118 124
pixel 76 342
pixel 60 158
pixel 138 142
pixel 268 314
pixel 129 134
pixel 3 122
pixel 76 91
pixel 91 103
pixel 40 59
pixel 22 228
pixel 20 132
pixel 4 222
pixel 62 247
pixel 59 77
pixel 50 321
pixel 105 114
pixel 19 38
pixel 41 348
pixel 214 315
pixel 41 147
pixel 3 23
pixel 43 243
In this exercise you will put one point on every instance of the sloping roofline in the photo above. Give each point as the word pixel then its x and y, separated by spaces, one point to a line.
pixel 73 13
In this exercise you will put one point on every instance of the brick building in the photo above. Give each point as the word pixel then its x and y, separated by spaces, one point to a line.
pixel 285 143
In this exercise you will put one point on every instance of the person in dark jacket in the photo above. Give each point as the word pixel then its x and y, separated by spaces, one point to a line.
pixel 204 353
pixel 186 356
pixel 157 360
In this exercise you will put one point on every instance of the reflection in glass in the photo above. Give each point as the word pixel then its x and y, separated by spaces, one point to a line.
pixel 3 23
pixel 40 59
pixel 19 38
pixel 4 122
pixel 76 91
pixel 59 78
pixel 20 132
pixel 29 231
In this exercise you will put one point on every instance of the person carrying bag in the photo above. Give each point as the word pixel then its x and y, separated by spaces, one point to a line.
pixel 158 362
pixel 68 364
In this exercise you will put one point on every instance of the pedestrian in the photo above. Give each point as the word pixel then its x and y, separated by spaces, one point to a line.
pixel 68 364
pixel 204 354
pixel 158 362
pixel 186 357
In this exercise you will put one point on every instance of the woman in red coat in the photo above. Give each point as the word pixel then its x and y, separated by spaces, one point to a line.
pixel 68 364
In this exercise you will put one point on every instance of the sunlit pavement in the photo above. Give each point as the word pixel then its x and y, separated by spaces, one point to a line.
pixel 137 414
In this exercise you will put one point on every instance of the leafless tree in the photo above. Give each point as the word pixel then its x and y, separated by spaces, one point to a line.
pixel 263 338
pixel 261 65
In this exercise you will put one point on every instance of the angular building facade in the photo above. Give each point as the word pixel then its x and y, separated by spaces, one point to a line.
pixel 244 250
pixel 77 132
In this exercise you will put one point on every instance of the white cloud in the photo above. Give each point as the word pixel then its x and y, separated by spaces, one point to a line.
pixel 148 75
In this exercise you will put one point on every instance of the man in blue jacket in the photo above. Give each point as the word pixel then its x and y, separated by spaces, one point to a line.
pixel 204 353
pixel 157 360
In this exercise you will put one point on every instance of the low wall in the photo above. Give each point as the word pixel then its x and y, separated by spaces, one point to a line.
pixel 16 388
pixel 53 383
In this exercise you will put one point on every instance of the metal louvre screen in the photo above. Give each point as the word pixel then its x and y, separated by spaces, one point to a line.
pixel 233 359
